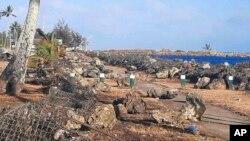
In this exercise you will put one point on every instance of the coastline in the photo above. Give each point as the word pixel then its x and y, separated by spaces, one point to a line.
pixel 179 53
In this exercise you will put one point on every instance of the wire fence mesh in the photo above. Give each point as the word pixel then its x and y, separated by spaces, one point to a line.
pixel 44 121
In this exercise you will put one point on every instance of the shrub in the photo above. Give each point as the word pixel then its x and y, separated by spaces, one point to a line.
pixel 48 51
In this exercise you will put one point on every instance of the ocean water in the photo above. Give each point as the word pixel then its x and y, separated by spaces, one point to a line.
pixel 210 59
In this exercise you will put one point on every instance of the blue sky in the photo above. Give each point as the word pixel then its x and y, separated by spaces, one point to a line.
pixel 149 24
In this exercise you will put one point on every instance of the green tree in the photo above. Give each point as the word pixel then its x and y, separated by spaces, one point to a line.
pixel 207 47
pixel 15 30
pixel 7 12
pixel 64 32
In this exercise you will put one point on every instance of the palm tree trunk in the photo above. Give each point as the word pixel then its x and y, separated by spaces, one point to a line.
pixel 12 78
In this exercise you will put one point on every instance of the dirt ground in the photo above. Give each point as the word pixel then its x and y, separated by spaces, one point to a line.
pixel 220 101
pixel 236 101
pixel 224 107
pixel 31 93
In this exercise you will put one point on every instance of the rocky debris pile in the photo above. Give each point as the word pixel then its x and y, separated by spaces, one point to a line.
pixel 136 109
pixel 168 69
pixel 42 74
pixel 194 107
pixel 242 76
pixel 81 108
pixel 133 62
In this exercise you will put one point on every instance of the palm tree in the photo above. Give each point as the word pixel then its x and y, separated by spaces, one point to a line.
pixel 12 78
pixel 7 12
pixel 207 47
pixel 15 30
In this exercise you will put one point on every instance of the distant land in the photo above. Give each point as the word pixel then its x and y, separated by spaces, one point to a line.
pixel 180 52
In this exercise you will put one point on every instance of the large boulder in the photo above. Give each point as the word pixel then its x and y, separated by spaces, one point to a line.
pixel 72 125
pixel 91 72
pixel 120 110
pixel 173 71
pixel 123 81
pixel 97 61
pixel 162 74
pixel 134 104
pixel 206 66
pixel 202 83
pixel 163 93
pixel 103 87
pixel 194 108
pixel 103 117
pixel 78 70
pixel 131 68
pixel 112 75
pixel 217 84
pixel 163 117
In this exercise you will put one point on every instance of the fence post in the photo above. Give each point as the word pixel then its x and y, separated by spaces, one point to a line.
pixel 183 81
pixel 132 81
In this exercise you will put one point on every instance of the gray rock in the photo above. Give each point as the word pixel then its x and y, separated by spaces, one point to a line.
pixel 103 117
pixel 78 70
pixel 162 74
pixel 202 83
pixel 173 71
pixel 91 72
pixel 163 93
pixel 206 66
pixel 132 68
pixel 123 82
pixel 98 61
pixel 134 104
pixel 163 117
pixel 71 125
pixel 194 107
pixel 103 87
pixel 112 75
pixel 217 84
pixel 120 110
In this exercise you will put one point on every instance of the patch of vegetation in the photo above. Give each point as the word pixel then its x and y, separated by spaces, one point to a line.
pixel 48 51
pixel 179 51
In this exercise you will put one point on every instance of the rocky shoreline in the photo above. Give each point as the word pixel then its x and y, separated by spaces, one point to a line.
pixel 204 75
pixel 180 53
